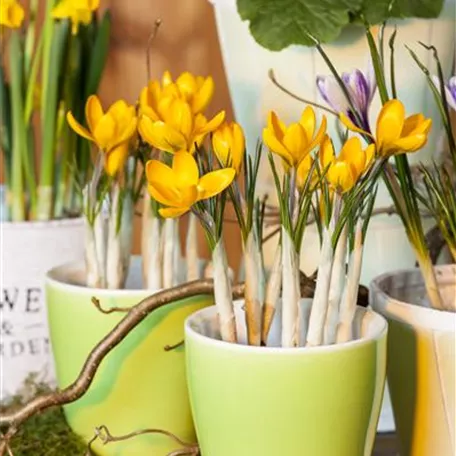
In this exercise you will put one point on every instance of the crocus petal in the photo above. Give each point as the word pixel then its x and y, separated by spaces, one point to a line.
pixel 319 136
pixel 409 143
pixel 163 180
pixel 326 154
pixel 415 125
pixel 360 89
pixel 353 153
pixel 162 194
pixel 185 169
pixel 308 122
pixel 104 131
pixel 302 173
pixel 221 143
pixel 93 111
pixel 173 212
pixel 129 130
pixel 276 126
pixel 186 83
pixel 351 126
pixel 203 96
pixel 295 141
pixel 78 128
pixel 276 146
pixel 212 125
pixel 332 93
pixel 370 155
pixel 450 92
pixel 181 118
pixel 166 79
pixel 160 136
pixel 215 182
pixel 341 176
pixel 238 146
pixel 115 159
pixel 390 123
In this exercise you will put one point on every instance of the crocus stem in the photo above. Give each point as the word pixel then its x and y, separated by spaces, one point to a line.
pixel 452 248
pixel 350 293
pixel 95 240
pixel 168 253
pixel 430 280
pixel 177 253
pixel 16 196
pixel 117 242
pixel 336 288
pixel 191 248
pixel 223 294
pixel 291 293
pixel 320 300
pixel 253 304
pixel 151 246
pixel 273 288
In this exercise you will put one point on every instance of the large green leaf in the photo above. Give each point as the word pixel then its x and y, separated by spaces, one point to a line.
pixel 276 24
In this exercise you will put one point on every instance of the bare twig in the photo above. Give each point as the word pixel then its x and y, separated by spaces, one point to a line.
pixel 172 347
pixel 149 46
pixel 297 97
pixel 190 451
pixel 102 433
pixel 97 304
pixel 77 389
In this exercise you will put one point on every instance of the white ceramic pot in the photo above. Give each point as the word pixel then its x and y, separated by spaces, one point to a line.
pixel 29 250
pixel 421 360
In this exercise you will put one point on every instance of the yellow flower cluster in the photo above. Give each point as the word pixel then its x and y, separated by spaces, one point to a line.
pixel 171 119
pixel 11 13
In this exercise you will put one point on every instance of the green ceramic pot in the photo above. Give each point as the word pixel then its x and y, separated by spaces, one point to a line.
pixel 272 401
pixel 139 385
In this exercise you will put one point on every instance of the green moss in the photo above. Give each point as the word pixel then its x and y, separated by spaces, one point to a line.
pixel 46 434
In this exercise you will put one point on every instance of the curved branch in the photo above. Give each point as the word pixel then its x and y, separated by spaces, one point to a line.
pixel 132 319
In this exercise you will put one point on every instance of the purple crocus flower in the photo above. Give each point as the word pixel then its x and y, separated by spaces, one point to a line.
pixel 361 87
pixel 450 90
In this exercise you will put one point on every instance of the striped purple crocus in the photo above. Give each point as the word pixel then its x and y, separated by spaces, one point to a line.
pixel 450 90
pixel 361 89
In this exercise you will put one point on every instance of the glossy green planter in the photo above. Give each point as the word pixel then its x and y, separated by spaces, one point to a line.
pixel 272 401
pixel 139 385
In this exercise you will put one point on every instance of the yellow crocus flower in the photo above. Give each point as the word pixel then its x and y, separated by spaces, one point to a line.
pixel 197 91
pixel 78 11
pixel 343 172
pixel 228 142
pixel 396 134
pixel 295 142
pixel 110 131
pixel 11 13
pixel 179 187
pixel 178 129
pixel 303 170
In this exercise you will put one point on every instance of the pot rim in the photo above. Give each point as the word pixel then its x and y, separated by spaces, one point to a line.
pixel 54 279
pixel 379 332
pixel 43 224
pixel 413 314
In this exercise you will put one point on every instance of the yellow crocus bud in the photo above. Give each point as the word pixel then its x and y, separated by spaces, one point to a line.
pixel 110 131
pixel 228 142
pixel 344 171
